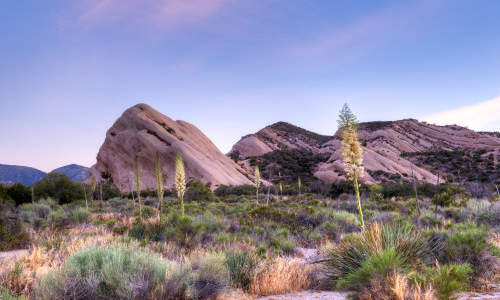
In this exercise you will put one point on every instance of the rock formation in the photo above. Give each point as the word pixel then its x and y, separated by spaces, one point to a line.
pixel 386 147
pixel 142 131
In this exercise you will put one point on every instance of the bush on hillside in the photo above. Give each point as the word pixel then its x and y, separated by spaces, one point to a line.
pixel 58 186
pixel 376 252
pixel 105 272
pixel 19 193
pixel 197 191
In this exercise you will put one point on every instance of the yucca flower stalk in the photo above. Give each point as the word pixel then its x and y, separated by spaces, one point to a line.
pixel 93 188
pixel 180 180
pixel 352 152
pixel 257 182
pixel 138 185
pixel 100 193
pixel 299 184
pixel 280 186
pixel 159 184
pixel 85 194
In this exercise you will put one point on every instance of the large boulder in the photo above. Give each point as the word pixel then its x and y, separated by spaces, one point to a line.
pixel 142 131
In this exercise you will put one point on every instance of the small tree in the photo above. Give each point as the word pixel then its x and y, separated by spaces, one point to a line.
pixel 352 152
pixel 180 180
pixel 257 182
pixel 159 184
pixel 138 185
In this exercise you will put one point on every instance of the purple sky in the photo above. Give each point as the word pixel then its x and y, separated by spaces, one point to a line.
pixel 70 68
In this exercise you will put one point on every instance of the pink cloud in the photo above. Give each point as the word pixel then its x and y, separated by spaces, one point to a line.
pixel 158 13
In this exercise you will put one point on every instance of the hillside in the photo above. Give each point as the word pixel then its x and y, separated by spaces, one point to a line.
pixel 393 150
pixel 10 174
pixel 74 172
pixel 142 131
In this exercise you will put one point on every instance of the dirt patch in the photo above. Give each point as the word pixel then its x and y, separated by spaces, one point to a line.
pixel 314 295
pixel 13 254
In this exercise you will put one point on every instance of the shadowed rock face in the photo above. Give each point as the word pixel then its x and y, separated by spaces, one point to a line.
pixel 142 131
pixel 384 144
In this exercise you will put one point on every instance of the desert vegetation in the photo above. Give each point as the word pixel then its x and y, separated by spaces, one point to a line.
pixel 224 245
pixel 394 240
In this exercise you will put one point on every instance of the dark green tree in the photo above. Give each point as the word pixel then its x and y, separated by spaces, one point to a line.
pixel 59 187
pixel 19 193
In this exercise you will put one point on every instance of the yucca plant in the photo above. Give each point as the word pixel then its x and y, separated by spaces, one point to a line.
pixel 280 186
pixel 138 185
pixel 353 255
pixel 257 182
pixel 85 194
pixel 100 193
pixel 159 184
pixel 180 180
pixel 93 188
pixel 352 152
pixel 299 184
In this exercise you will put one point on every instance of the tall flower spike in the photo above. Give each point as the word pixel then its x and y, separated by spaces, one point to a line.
pixel 257 182
pixel 352 152
pixel 159 183
pixel 180 179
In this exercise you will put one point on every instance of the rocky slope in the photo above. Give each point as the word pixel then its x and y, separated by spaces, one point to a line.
pixel 142 131
pixel 392 150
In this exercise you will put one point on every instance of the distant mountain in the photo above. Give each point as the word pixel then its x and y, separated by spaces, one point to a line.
pixel 393 150
pixel 74 172
pixel 10 174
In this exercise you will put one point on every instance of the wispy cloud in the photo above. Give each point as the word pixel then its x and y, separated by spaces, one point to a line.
pixel 366 32
pixel 480 116
pixel 159 13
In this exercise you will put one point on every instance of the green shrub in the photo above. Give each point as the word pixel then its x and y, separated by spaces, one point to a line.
pixel 79 215
pixel 465 243
pixel 105 272
pixel 212 277
pixel 183 230
pixel 138 230
pixel 410 246
pixel 448 279
pixel 241 267
pixel 12 234
pixel 197 191
pixel 110 223
pixel 59 187
pixel 120 229
pixel 58 218
pixel 19 193
pixel 147 212
pixel 5 294
pixel 378 265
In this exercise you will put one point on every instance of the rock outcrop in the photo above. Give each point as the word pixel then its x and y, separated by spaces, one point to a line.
pixel 388 147
pixel 142 131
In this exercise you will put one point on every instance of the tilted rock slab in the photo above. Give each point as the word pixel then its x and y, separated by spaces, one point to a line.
pixel 142 131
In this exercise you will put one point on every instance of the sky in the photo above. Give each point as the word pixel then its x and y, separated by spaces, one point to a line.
pixel 68 69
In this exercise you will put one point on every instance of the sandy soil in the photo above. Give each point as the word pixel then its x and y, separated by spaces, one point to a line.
pixel 13 254
pixel 315 295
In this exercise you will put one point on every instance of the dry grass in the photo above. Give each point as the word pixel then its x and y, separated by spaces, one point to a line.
pixel 20 275
pixel 396 287
pixel 281 276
